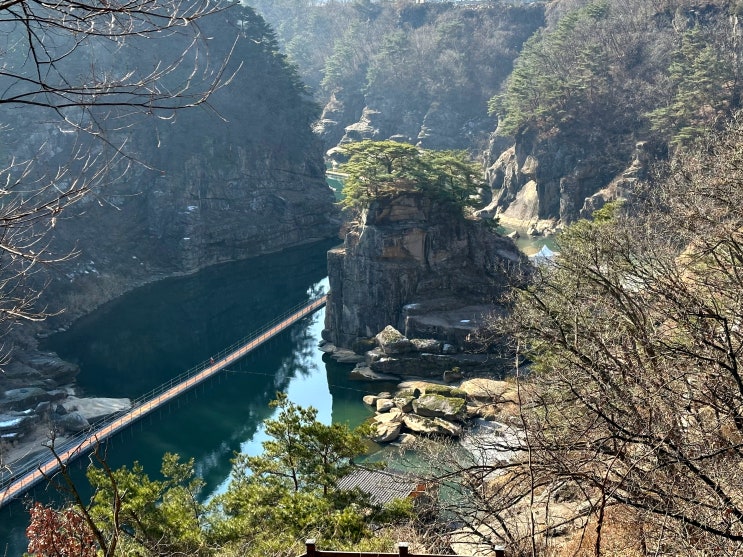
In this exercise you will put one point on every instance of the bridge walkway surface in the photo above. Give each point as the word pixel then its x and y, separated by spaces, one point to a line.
pixel 18 477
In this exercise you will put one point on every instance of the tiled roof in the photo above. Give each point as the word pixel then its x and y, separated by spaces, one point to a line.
pixel 383 485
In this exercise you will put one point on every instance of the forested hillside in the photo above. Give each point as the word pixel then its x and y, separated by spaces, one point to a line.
pixel 576 97
pixel 420 73
pixel 619 431
pixel 608 87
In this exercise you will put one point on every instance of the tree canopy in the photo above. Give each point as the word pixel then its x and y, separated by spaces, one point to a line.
pixel 288 493
pixel 273 503
pixel 702 83
pixel 633 343
pixel 635 67
pixel 383 168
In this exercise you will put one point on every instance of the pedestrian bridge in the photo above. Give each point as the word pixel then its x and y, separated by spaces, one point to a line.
pixel 17 478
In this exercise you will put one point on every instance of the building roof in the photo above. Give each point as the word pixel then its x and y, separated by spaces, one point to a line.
pixel 384 486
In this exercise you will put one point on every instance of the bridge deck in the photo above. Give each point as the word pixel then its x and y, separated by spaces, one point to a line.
pixel 19 481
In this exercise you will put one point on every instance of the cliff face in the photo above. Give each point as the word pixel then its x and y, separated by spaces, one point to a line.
pixel 538 182
pixel 418 266
pixel 599 94
pixel 423 73
pixel 194 187
pixel 242 178
pixel 205 213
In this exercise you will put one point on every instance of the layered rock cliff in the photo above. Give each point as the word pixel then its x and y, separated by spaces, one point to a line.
pixel 241 178
pixel 539 183
pixel 178 191
pixel 602 92
pixel 420 266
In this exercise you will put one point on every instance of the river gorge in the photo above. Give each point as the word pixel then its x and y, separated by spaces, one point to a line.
pixel 144 338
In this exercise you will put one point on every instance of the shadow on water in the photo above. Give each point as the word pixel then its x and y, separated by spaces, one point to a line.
pixel 142 339
pixel 137 342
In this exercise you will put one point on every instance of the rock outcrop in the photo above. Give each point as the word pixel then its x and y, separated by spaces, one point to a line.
pixel 538 183
pixel 425 90
pixel 35 397
pixel 432 409
pixel 419 266
pixel 427 358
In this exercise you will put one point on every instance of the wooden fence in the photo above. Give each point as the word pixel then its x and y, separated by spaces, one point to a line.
pixel 402 551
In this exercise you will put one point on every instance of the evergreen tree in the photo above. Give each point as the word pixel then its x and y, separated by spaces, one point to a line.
pixel 274 501
pixel 288 493
pixel 701 82
pixel 558 76
pixel 382 168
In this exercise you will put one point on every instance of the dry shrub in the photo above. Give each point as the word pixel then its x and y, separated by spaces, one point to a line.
pixel 621 536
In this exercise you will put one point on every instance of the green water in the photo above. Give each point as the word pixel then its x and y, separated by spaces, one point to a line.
pixel 530 245
pixel 139 341
pixel 152 334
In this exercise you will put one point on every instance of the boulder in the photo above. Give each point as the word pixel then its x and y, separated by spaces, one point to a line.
pixel 445 390
pixel 370 400
pixel 365 373
pixel 19 370
pixel 346 356
pixel 439 406
pixel 404 403
pixel 53 367
pixel 406 439
pixel 487 412
pixel 410 388
pixel 393 342
pixel 74 422
pixel 17 422
pixel 421 365
pixel 374 355
pixel 485 390
pixel 363 345
pixel 95 408
pixel 427 345
pixel 387 432
pixel 384 405
pixel 431 426
pixel 490 399
pixel 25 397
pixel 388 426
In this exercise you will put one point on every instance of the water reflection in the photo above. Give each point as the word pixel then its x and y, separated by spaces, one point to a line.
pixel 140 340
pixel 156 332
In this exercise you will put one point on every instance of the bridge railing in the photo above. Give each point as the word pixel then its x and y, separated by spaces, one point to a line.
pixel 222 354
pixel 84 440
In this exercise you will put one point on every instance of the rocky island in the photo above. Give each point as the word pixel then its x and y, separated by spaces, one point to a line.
pixel 416 264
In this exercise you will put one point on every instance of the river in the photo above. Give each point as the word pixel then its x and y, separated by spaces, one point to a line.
pixel 142 339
